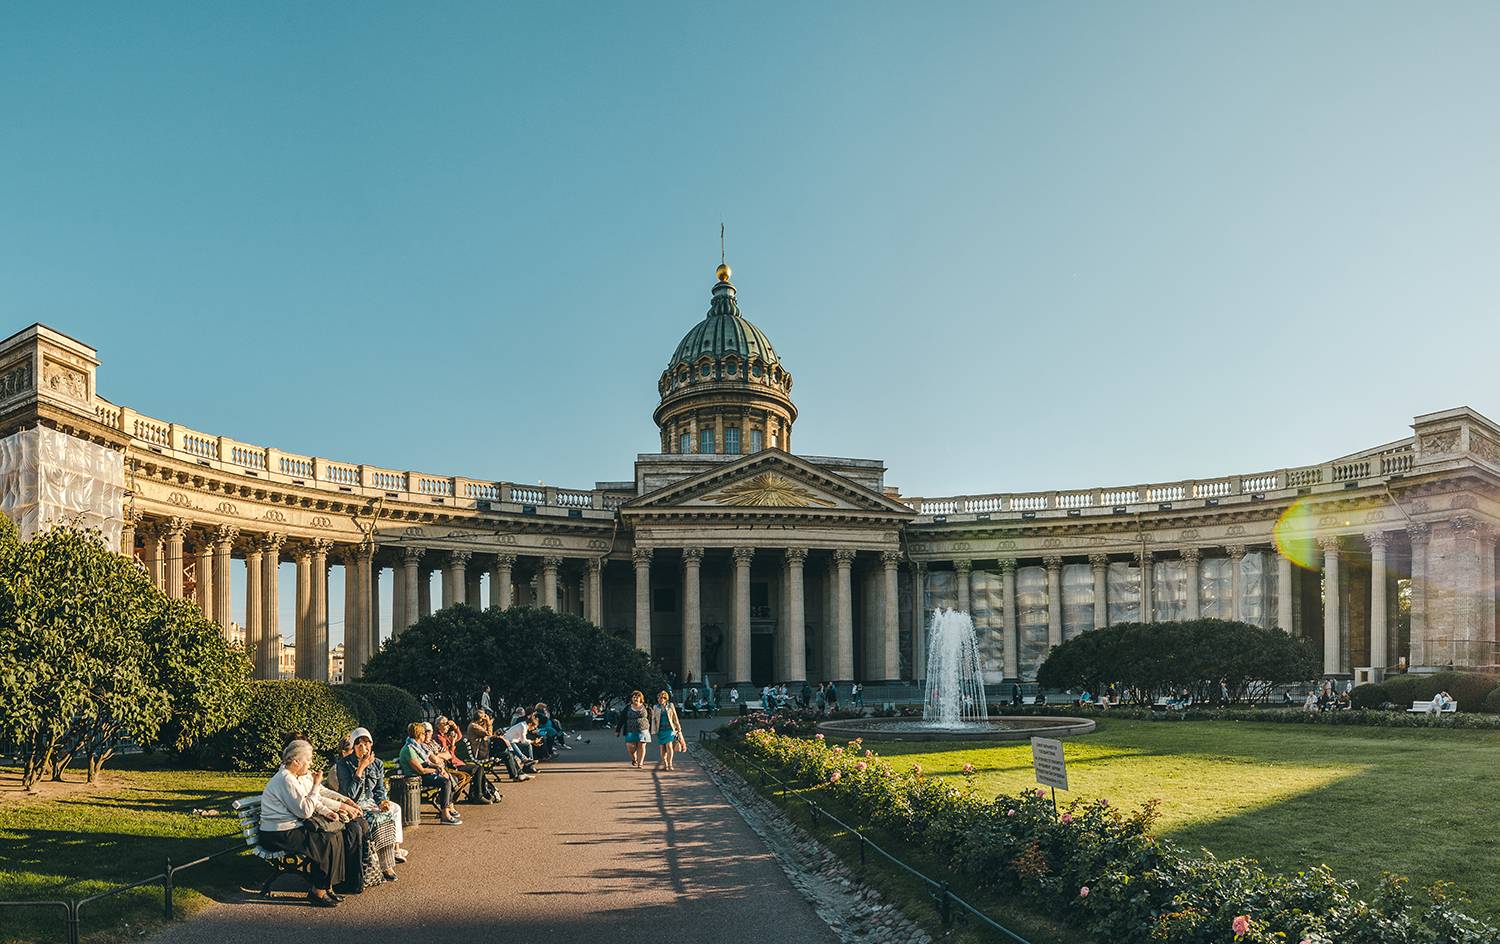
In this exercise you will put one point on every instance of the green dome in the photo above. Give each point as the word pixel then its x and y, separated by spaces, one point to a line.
pixel 722 332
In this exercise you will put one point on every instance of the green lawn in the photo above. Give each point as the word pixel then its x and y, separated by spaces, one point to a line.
pixel 82 842
pixel 1362 800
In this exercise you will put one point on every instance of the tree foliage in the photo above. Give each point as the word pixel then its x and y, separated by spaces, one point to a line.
pixel 524 654
pixel 1149 660
pixel 91 654
pixel 275 711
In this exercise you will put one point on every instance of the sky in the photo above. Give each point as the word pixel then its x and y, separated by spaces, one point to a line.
pixel 1000 246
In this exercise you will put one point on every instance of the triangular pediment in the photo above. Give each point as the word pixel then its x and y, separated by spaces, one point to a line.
pixel 770 481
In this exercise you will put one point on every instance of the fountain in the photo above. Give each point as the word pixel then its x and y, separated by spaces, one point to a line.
pixel 954 689
pixel 953 704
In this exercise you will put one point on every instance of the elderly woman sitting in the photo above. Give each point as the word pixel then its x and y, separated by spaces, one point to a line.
pixel 298 815
pixel 416 761
pixel 361 778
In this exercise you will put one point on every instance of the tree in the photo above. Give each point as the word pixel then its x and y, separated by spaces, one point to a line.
pixel 91 654
pixel 524 654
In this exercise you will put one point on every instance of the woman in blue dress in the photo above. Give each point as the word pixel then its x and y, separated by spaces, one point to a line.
pixel 667 728
pixel 635 724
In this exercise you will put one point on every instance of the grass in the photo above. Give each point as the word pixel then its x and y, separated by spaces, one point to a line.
pixel 1362 800
pixel 910 895
pixel 78 842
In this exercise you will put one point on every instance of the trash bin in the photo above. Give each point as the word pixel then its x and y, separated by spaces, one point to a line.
pixel 407 791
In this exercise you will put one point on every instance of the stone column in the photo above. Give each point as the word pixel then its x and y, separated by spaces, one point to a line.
pixel 223 542
pixel 1491 652
pixel 1330 546
pixel 1418 533
pixel 502 593
pixel 549 582
pixel 1465 592
pixel 739 668
pixel 890 619
pixel 843 561
pixel 1053 564
pixel 424 590
pixel 1145 562
pixel 411 562
pixel 797 616
pixel 1379 643
pixel 1236 554
pixel 303 633
pixel 962 569
pixel 474 589
pixel 1190 560
pixel 641 557
pixel 173 531
pixel 151 554
pixel 268 653
pixel 318 661
pixel 129 519
pixel 1008 619
pixel 253 602
pixel 919 620
pixel 692 615
pixel 204 592
pixel 593 590
pixel 1100 563
pixel 354 635
pixel 364 556
pixel 453 578
pixel 1284 594
pixel 398 595
pixel 372 593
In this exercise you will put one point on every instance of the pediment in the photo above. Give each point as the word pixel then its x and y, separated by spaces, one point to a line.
pixel 768 482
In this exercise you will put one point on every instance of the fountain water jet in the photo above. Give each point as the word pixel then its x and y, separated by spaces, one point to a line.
pixel 954 689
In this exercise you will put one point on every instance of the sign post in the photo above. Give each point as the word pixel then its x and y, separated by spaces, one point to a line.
pixel 1047 761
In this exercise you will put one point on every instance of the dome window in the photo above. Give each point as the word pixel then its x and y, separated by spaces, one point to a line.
pixel 705 370
pixel 756 370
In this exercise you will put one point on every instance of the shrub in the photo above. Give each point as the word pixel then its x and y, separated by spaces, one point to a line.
pixel 391 709
pixel 1492 701
pixel 1469 689
pixel 276 709
pixel 359 705
pixel 1100 869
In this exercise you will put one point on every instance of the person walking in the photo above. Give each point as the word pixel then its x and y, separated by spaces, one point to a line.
pixel 667 728
pixel 635 724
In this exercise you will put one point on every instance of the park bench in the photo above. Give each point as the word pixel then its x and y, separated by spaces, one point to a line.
pixel 247 809
pixel 1424 706
pixel 1171 703
pixel 1058 699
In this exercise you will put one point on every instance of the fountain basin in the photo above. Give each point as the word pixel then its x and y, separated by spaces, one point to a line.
pixel 1004 728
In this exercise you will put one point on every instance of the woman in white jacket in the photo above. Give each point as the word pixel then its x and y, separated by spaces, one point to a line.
pixel 297 814
pixel 666 728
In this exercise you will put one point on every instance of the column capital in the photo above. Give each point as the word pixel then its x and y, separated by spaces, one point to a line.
pixel 843 556
pixel 302 551
pixel 1377 539
pixel 226 534
pixel 744 555
pixel 270 543
pixel 132 517
pixel 1464 524
pixel 174 527
pixel 321 546
pixel 365 550
pixel 461 558
pixel 1194 554
pixel 1098 561
pixel 548 563
pixel 1143 558
pixel 796 555
pixel 1008 565
pixel 642 555
pixel 1052 562
pixel 413 555
pixel 963 566
pixel 1418 532
pixel 1236 551
pixel 890 558
pixel 592 565
pixel 693 554
pixel 1329 543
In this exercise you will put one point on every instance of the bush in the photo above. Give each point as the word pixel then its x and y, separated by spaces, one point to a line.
pixel 391 709
pixel 276 709
pixel 1492 701
pixel 358 704
pixel 1100 869
pixel 1469 689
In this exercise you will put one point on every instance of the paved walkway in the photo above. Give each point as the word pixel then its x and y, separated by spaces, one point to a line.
pixel 591 851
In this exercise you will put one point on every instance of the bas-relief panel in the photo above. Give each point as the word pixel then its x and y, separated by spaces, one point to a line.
pixel 65 381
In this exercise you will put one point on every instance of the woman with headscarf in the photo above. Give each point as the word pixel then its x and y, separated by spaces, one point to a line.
pixel 362 779
pixel 299 817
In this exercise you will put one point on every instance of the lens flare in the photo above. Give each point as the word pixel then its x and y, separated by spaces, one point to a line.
pixel 1294 536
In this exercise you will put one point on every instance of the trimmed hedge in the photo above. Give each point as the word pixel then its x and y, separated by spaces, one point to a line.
pixel 1102 870
pixel 388 709
pixel 1374 718
pixel 1492 702
pixel 1469 689
pixel 276 709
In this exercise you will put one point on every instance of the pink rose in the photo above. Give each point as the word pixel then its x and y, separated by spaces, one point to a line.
pixel 1083 892
pixel 1240 925
pixel 861 766
pixel 1067 818
pixel 1040 793
pixel 817 737
pixel 1010 812
pixel 838 750
pixel 869 753
pixel 968 768
pixel 834 777
pixel 916 769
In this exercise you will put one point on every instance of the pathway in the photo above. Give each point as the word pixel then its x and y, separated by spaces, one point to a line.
pixel 590 851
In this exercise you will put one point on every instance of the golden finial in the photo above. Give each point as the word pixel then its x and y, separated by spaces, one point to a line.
pixel 723 272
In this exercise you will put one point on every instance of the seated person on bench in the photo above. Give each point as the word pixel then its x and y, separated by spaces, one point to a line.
pixel 416 762
pixel 481 736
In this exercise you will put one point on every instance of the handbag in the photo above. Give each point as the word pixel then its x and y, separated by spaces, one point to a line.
pixel 680 745
pixel 325 825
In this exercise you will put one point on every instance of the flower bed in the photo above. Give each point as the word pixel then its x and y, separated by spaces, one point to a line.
pixel 1100 868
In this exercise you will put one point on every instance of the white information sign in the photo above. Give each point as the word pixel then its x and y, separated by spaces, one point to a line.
pixel 1047 758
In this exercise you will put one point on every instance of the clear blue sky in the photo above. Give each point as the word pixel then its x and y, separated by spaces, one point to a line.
pixel 1000 245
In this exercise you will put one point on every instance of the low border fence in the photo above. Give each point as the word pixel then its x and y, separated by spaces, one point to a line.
pixel 72 907
pixel 941 893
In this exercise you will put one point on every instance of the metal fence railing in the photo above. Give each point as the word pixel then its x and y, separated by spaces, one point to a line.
pixel 941 893
pixel 167 876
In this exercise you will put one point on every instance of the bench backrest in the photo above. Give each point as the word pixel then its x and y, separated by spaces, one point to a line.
pixel 247 809
pixel 1425 704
